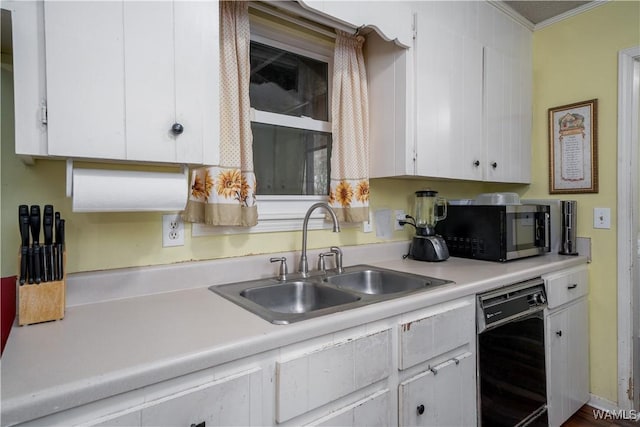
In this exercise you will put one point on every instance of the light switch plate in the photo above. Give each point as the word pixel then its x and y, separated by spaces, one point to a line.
pixel 602 218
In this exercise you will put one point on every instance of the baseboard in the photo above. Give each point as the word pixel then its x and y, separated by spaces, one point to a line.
pixel 602 403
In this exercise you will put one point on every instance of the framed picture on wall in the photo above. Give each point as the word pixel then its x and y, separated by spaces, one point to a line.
pixel 573 148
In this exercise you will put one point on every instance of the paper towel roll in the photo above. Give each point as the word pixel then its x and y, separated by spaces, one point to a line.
pixel 97 190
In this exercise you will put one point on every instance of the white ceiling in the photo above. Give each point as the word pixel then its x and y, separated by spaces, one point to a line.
pixel 539 10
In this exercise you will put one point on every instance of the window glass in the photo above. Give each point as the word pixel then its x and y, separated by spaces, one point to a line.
pixel 289 161
pixel 286 83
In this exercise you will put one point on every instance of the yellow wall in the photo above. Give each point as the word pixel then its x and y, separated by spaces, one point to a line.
pixel 576 60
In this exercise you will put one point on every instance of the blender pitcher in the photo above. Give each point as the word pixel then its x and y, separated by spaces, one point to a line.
pixel 427 204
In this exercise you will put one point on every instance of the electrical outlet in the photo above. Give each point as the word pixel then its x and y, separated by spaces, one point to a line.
pixel 367 226
pixel 400 216
pixel 172 230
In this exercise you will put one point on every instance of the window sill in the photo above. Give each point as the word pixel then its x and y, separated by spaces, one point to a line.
pixel 275 214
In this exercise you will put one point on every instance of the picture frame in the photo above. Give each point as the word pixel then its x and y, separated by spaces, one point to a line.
pixel 573 148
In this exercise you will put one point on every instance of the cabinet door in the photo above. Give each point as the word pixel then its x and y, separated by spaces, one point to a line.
pixel 230 401
pixel 120 74
pixel 567 361
pixel 442 396
pixel 448 98
pixel 507 117
pixel 85 79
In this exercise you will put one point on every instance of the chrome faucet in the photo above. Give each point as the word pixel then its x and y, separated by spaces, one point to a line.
pixel 303 267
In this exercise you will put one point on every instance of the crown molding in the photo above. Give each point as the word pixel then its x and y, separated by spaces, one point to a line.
pixel 508 10
pixel 570 13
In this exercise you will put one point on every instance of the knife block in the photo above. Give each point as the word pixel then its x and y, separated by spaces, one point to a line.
pixel 42 302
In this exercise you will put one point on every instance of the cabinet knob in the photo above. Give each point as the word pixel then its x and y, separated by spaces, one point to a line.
pixel 559 333
pixel 476 163
pixel 494 165
pixel 420 409
pixel 177 128
pixel 575 285
pixel 202 424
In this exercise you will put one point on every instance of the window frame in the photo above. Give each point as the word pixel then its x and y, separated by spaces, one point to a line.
pixel 284 212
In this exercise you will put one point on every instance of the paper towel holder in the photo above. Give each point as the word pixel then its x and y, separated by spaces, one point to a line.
pixel 120 196
pixel 184 171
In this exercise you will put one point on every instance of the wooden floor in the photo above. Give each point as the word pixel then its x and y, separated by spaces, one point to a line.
pixel 585 418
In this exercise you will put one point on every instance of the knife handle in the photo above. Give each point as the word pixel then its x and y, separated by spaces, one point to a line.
pixel 24 258
pixel 30 264
pixel 47 223
pixel 36 264
pixel 35 224
pixel 23 210
pixel 46 268
pixel 60 262
pixel 24 229
pixel 61 237
pixel 57 226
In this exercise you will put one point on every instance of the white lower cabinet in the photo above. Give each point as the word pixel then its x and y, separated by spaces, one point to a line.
pixel 376 374
pixel 567 344
pixel 438 359
pixel 444 395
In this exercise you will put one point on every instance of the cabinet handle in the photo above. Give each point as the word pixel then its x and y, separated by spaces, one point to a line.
pixel 202 424
pixel 476 163
pixel 420 409
pixel 559 333
pixel 575 285
pixel 177 129
pixel 494 165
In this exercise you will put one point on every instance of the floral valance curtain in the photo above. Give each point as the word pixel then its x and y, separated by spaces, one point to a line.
pixel 225 194
pixel 349 187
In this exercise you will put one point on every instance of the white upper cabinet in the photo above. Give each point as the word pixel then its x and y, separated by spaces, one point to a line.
pixel 457 103
pixel 132 80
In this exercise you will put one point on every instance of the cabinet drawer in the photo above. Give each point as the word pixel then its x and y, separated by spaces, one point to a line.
pixel 231 401
pixel 566 285
pixel 448 327
pixel 371 411
pixel 314 379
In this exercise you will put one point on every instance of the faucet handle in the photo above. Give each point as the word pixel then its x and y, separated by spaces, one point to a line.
pixel 282 270
pixel 321 264
pixel 338 253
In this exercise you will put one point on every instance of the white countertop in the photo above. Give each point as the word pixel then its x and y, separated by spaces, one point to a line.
pixel 102 349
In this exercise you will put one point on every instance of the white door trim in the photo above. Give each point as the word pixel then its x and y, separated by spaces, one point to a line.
pixel 627 224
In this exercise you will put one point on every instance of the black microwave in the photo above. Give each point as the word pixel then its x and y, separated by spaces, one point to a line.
pixel 496 232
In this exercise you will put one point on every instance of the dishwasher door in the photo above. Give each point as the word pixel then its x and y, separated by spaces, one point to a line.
pixel 511 363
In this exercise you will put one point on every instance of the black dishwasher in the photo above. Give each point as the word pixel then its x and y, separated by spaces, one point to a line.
pixel 511 356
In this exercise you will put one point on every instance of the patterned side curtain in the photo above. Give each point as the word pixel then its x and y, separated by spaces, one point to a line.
pixel 225 194
pixel 349 189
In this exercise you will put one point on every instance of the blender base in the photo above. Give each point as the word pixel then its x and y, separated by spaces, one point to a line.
pixel 428 248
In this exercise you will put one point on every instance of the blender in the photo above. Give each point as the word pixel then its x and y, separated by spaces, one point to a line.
pixel 426 245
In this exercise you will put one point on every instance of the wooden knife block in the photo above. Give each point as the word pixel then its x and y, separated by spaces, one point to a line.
pixel 43 302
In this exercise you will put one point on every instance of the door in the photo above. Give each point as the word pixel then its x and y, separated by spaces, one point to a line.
pixel 442 396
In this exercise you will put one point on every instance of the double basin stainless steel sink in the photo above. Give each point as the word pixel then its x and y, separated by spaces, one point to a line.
pixel 296 299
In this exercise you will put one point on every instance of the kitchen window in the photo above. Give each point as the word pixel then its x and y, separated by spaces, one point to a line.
pixel 290 93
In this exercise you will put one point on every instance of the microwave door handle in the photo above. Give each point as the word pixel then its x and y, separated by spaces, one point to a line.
pixel 543 227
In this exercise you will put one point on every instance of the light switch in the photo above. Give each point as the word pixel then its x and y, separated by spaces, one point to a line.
pixel 601 218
